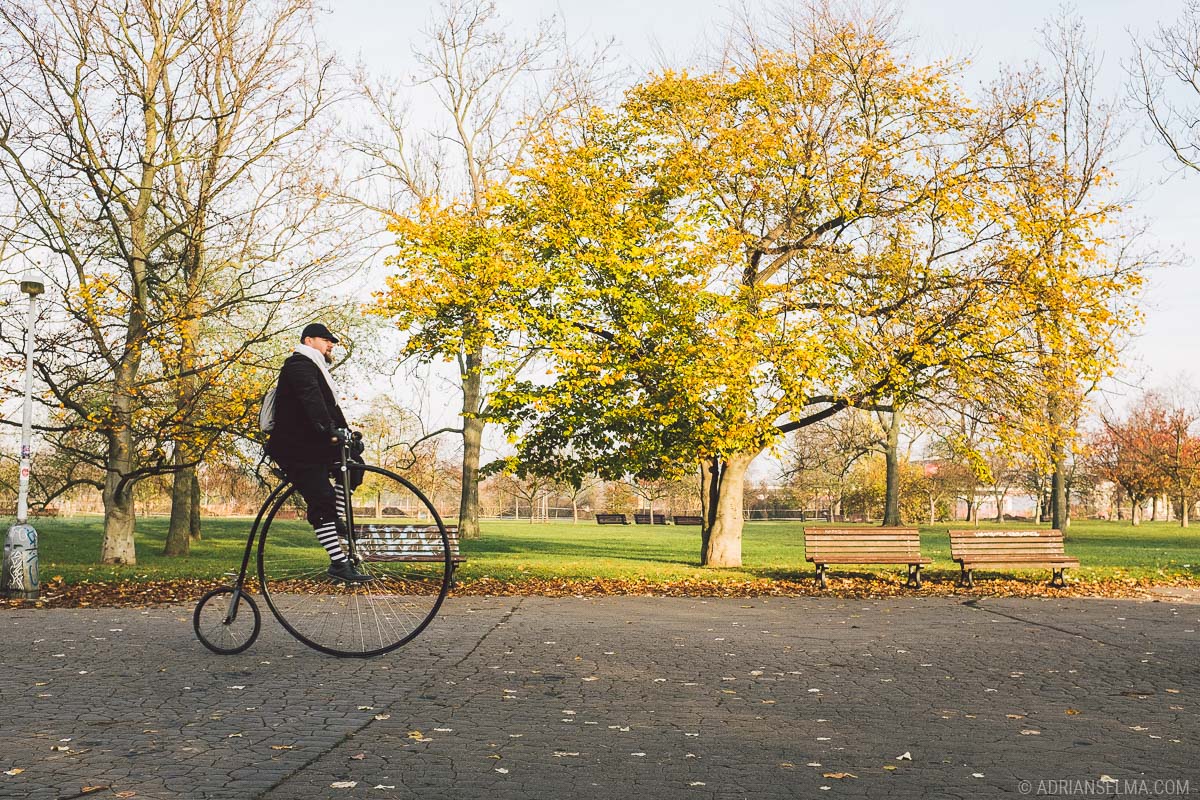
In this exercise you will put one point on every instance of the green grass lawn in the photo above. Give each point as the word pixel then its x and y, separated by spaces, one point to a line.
pixel 512 551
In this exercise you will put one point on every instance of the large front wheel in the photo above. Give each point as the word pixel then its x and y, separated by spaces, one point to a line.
pixel 399 541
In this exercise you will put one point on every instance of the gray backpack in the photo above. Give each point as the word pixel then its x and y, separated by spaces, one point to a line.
pixel 266 414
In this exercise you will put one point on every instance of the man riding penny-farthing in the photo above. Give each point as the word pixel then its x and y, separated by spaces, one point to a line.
pixel 344 586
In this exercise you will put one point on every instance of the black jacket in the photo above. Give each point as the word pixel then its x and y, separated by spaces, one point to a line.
pixel 306 413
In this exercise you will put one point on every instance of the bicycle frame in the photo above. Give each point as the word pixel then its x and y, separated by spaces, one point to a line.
pixel 280 493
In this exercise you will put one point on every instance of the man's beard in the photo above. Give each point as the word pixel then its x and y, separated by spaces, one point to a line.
pixel 328 358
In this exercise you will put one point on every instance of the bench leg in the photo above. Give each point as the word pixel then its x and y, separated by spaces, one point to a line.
pixel 967 578
pixel 962 575
pixel 1058 578
pixel 821 576
pixel 914 576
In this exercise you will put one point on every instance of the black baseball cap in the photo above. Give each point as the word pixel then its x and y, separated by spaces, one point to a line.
pixel 317 330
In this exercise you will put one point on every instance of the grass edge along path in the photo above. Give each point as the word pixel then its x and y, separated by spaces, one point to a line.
pixel 561 559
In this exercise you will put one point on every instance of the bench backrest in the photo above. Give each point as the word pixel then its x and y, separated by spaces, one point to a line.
pixel 999 544
pixel 405 541
pixel 610 519
pixel 842 542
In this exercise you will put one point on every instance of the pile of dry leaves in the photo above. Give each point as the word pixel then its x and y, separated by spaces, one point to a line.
pixel 56 593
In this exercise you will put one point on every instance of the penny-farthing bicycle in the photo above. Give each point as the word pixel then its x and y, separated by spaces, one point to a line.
pixel 399 541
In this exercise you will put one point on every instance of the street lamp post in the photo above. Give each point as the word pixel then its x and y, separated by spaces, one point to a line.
pixel 19 569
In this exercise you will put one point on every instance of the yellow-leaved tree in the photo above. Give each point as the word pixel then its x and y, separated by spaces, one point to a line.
pixel 492 95
pixel 736 254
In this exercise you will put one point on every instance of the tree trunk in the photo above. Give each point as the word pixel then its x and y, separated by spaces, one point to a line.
pixel 723 484
pixel 116 547
pixel 473 425
pixel 197 501
pixel 891 502
pixel 1183 508
pixel 1059 502
pixel 1154 509
pixel 183 500
pixel 1135 513
pixel 932 510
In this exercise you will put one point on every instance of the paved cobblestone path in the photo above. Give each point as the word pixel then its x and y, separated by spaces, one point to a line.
pixel 617 698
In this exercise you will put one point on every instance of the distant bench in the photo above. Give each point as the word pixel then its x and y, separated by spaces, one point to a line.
pixel 825 546
pixel 685 520
pixel 407 543
pixel 48 511
pixel 974 549
pixel 644 519
pixel 611 519
pixel 386 511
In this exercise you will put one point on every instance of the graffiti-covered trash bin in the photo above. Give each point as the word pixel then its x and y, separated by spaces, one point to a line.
pixel 19 568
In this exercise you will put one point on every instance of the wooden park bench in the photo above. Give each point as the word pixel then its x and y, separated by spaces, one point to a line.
pixel 611 519
pixel 974 549
pixel 644 519
pixel 825 546
pixel 686 520
pixel 406 543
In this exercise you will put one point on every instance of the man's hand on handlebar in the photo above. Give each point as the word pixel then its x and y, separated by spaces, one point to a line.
pixel 346 436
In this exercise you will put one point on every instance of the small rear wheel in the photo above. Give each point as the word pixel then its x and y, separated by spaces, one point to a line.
pixel 225 625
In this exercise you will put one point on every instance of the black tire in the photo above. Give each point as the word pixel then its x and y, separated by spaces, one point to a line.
pixel 356 620
pixel 217 631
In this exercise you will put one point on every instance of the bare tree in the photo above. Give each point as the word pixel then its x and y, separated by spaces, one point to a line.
pixel 1164 83
pixel 155 154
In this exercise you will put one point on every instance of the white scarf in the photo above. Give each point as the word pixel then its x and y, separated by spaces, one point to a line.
pixel 314 355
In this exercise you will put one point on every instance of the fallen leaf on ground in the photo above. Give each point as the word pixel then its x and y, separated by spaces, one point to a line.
pixel 838 775
pixel 343 784
pixel 13 771
pixel 905 756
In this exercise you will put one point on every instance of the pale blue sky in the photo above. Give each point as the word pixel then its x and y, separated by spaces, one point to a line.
pixel 990 33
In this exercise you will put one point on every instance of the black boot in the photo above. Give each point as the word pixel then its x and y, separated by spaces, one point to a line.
pixel 344 571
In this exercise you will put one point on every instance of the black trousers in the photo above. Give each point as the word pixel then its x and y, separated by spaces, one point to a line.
pixel 313 483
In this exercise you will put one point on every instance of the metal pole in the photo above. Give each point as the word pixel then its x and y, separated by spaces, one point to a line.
pixel 19 567
pixel 27 410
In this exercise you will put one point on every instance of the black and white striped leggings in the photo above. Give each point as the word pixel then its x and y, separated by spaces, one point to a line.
pixel 326 503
